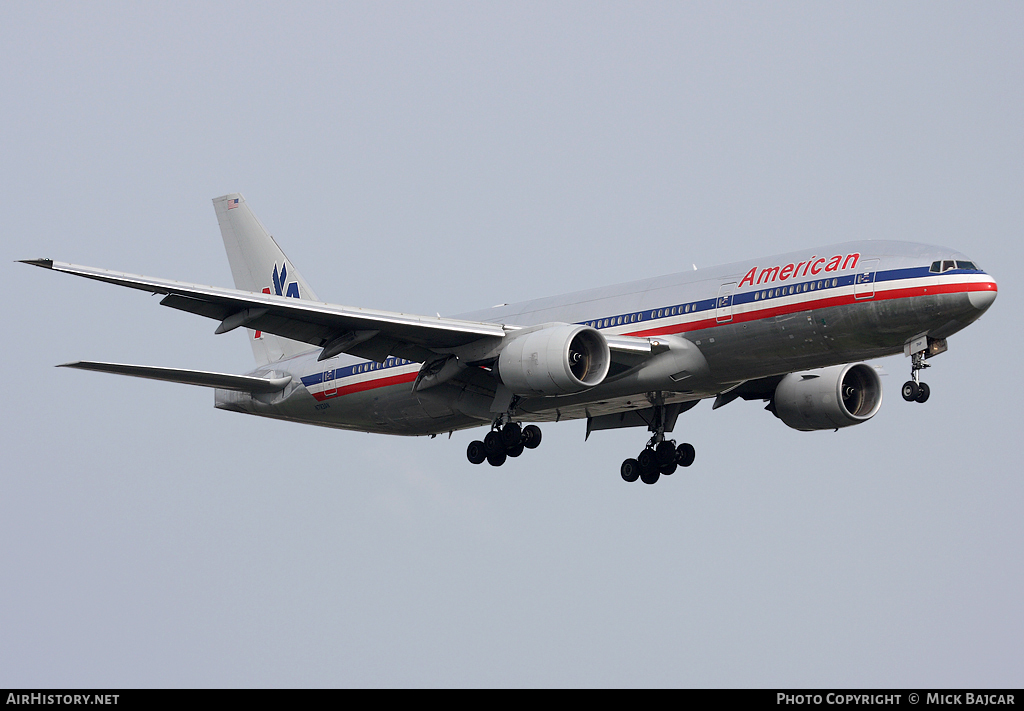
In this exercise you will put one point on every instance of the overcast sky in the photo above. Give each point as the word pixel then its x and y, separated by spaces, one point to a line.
pixel 442 157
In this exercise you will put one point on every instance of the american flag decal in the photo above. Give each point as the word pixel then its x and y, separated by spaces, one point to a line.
pixel 232 203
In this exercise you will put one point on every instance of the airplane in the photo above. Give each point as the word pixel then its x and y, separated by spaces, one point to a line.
pixel 791 330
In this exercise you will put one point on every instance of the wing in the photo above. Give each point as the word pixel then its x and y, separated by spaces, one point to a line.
pixel 365 333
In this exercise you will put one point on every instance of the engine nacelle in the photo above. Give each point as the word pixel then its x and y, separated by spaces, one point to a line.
pixel 828 398
pixel 556 360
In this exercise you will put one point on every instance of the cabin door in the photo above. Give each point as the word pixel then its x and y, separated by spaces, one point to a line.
pixel 330 384
pixel 723 306
pixel 864 281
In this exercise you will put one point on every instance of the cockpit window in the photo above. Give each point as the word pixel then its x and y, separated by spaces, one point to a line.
pixel 946 264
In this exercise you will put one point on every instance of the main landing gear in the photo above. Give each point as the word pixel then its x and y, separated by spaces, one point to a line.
pixel 661 456
pixel 503 441
pixel 914 390
pixel 656 460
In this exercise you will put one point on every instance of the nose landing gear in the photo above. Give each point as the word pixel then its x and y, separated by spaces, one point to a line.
pixel 914 390
pixel 919 349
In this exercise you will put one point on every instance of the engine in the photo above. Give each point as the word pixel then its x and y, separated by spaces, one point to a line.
pixel 829 398
pixel 555 360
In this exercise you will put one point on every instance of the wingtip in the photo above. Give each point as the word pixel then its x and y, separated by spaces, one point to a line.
pixel 44 263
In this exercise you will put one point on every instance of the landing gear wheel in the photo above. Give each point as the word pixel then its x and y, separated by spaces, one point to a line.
pixel 496 460
pixel 910 391
pixel 648 462
pixel 650 477
pixel 476 452
pixel 923 391
pixel 515 451
pixel 511 435
pixel 668 469
pixel 685 454
pixel 630 470
pixel 531 436
pixel 493 443
pixel 665 453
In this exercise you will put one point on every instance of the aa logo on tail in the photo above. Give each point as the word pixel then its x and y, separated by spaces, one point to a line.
pixel 279 282
pixel 282 287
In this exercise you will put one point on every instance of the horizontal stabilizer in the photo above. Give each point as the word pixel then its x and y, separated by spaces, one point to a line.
pixel 224 381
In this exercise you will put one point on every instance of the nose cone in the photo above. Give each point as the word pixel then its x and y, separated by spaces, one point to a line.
pixel 983 294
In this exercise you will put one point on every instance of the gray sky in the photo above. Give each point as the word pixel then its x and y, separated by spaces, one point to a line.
pixel 443 157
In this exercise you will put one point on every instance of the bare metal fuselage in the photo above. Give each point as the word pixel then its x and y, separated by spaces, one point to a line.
pixel 724 326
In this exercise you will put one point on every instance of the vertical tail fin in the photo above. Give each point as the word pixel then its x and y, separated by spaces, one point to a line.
pixel 259 265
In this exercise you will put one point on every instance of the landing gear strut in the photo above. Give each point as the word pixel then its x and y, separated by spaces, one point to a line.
pixel 661 456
